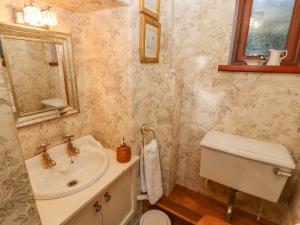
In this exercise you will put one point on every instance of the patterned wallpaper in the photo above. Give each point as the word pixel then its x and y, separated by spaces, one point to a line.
pixel 117 93
pixel 17 206
pixel 182 97
pixel 263 106
pixel 127 93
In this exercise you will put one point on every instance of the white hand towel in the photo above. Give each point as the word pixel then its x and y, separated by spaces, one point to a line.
pixel 142 173
pixel 151 180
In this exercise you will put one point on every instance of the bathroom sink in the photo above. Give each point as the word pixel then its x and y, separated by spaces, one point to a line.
pixel 70 175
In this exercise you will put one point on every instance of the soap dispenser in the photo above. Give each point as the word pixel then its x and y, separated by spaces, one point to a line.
pixel 123 153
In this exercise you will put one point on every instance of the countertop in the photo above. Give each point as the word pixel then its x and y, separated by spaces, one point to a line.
pixel 58 211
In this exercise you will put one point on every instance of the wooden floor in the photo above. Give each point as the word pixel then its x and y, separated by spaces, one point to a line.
pixel 186 207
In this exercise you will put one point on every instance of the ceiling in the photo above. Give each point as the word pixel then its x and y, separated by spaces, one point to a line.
pixel 85 5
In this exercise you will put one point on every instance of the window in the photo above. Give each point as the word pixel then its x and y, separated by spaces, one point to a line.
pixel 267 24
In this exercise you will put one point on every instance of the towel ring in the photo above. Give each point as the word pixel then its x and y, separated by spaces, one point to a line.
pixel 145 130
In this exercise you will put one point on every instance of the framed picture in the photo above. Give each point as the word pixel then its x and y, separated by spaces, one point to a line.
pixel 151 8
pixel 18 16
pixel 149 39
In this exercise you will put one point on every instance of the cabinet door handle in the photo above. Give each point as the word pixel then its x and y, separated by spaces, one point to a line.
pixel 97 206
pixel 107 196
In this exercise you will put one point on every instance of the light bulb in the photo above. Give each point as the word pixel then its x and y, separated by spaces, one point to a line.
pixel 49 18
pixel 32 15
pixel 46 19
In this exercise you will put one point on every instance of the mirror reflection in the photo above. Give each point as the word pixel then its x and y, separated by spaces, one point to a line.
pixel 36 74
pixel 269 26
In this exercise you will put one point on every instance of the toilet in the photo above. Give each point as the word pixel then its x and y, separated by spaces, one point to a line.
pixel 155 217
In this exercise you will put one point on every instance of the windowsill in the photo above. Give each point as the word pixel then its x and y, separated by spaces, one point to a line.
pixel 260 69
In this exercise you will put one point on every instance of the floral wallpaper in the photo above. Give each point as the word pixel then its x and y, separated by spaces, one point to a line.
pixel 263 106
pixel 117 94
pixel 182 97
pixel 126 92
pixel 17 206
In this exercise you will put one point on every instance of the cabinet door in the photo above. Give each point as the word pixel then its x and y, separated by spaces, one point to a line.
pixel 90 215
pixel 118 201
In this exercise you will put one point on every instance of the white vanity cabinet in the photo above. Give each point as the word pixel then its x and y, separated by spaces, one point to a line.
pixel 114 206
pixel 118 201
pixel 90 215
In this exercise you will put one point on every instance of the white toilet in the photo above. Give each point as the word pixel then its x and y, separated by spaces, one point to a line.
pixel 155 217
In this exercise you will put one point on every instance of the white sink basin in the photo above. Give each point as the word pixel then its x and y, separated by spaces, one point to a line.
pixel 66 177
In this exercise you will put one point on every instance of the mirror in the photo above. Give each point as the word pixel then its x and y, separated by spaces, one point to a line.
pixel 37 75
pixel 38 67
pixel 269 26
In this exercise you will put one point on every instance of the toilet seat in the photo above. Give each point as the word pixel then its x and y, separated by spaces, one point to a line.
pixel 155 217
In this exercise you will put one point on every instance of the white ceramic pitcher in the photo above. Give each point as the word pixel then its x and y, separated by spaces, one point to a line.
pixel 275 58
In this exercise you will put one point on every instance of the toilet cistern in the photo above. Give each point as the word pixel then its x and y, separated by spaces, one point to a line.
pixel 248 165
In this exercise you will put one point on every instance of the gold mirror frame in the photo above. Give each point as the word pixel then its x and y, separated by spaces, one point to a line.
pixel 42 35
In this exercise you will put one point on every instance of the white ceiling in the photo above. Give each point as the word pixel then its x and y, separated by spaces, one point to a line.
pixel 84 5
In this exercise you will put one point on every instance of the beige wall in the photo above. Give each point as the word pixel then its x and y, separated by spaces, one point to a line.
pixel 263 106
pixel 127 94
pixel 184 92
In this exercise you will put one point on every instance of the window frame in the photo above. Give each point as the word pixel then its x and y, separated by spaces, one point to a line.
pixel 241 35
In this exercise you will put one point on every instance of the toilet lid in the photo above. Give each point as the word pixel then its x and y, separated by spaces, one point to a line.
pixel 155 217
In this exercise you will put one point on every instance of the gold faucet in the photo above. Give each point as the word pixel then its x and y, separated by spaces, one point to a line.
pixel 47 161
pixel 72 149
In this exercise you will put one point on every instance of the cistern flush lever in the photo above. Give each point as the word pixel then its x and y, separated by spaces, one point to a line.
pixel 280 172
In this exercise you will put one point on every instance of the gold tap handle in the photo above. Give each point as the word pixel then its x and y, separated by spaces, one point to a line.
pixel 69 137
pixel 43 147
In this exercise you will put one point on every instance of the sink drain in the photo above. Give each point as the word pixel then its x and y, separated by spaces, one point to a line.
pixel 72 183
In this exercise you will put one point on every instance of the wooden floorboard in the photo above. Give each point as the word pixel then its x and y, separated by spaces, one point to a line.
pixel 178 210
pixel 190 207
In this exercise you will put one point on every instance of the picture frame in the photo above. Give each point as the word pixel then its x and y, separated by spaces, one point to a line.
pixel 150 31
pixel 18 16
pixel 150 8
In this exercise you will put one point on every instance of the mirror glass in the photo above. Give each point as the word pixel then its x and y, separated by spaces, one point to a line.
pixel 37 74
pixel 269 25
pixel 38 68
